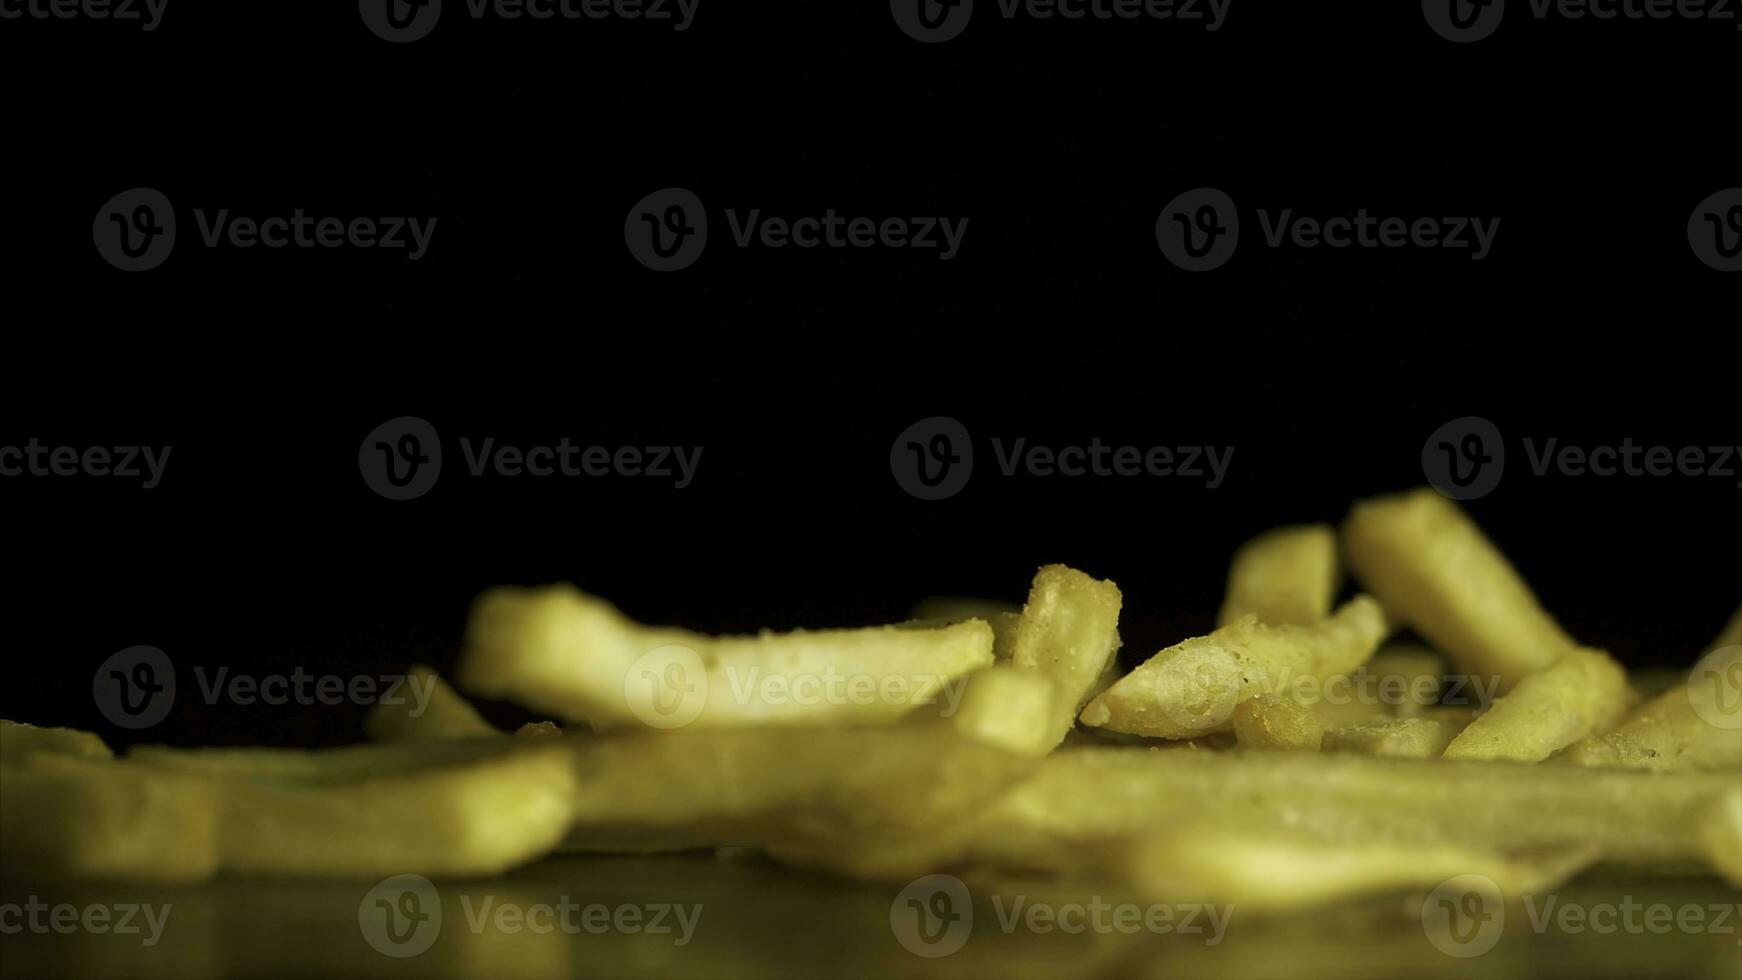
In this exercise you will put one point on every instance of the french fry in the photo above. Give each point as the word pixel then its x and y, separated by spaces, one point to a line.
pixel 1284 577
pixel 446 714
pixel 73 815
pixel 1069 634
pixel 437 808
pixel 1001 616
pixel 1094 796
pixel 1584 692
pixel 1406 738
pixel 1429 564
pixel 1192 688
pixel 1721 832
pixel 560 651
pixel 19 741
pixel 1273 721
pixel 1732 634
pixel 1694 725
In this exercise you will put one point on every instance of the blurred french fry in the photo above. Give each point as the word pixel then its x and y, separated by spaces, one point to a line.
pixel 445 714
pixel 1287 576
pixel 1001 616
pixel 1694 725
pixel 1732 634
pixel 81 816
pixel 1429 564
pixel 1275 873
pixel 1407 738
pixel 1584 692
pixel 1191 689
pixel 1090 796
pixel 1069 634
pixel 19 741
pixel 437 808
pixel 1721 831
pixel 575 656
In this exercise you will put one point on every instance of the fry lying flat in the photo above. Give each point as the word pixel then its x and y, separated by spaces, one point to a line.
pixel 561 651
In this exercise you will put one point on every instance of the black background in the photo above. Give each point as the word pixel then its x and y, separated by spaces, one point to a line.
pixel 263 549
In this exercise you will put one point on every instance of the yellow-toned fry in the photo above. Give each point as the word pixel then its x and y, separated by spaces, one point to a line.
pixel 1585 692
pixel 575 656
pixel 1271 721
pixel 1284 577
pixel 1406 738
pixel 437 808
pixel 1429 564
pixel 1085 797
pixel 19 741
pixel 1694 725
pixel 428 708
pixel 1283 873
pixel 79 816
pixel 1191 689
pixel 1069 634
pixel 1721 831
pixel 1003 617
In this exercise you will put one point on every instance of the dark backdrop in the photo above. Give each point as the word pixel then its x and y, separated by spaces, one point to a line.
pixel 1060 320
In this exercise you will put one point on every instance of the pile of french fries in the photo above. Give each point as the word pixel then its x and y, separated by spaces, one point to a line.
pixel 990 739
